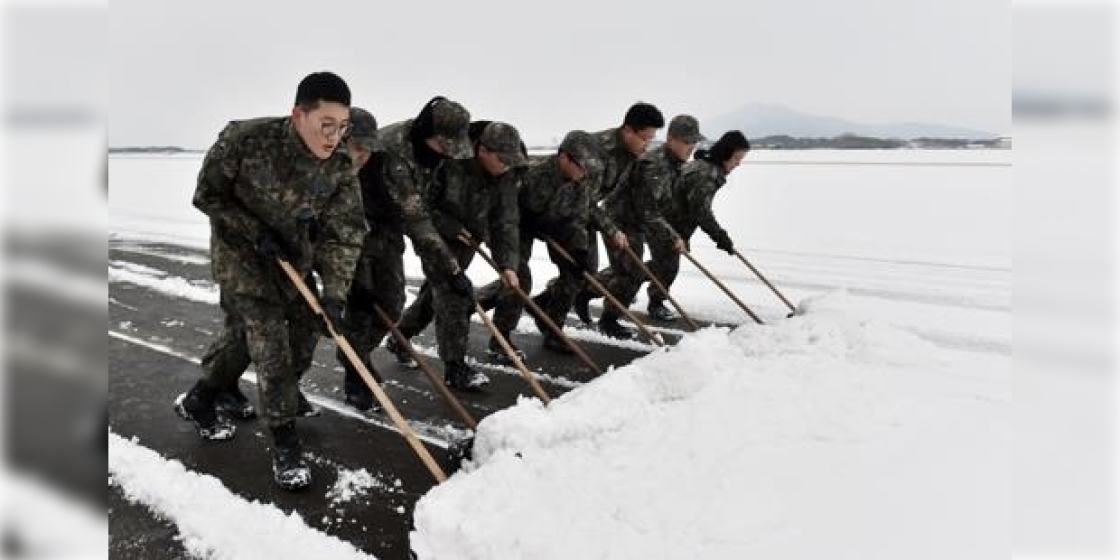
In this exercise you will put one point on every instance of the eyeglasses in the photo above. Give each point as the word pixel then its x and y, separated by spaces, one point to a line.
pixel 331 128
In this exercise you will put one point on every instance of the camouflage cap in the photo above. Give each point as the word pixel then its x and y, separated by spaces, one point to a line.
pixel 687 128
pixel 583 148
pixel 452 121
pixel 504 140
pixel 363 128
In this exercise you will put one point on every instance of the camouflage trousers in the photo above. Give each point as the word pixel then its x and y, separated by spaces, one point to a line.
pixel 278 338
pixel 451 311
pixel 556 299
pixel 664 263
pixel 378 282
pixel 623 278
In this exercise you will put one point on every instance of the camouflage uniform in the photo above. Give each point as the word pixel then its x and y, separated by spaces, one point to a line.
pixel 467 197
pixel 553 207
pixel 639 206
pixel 616 159
pixel 260 179
pixel 699 182
pixel 394 183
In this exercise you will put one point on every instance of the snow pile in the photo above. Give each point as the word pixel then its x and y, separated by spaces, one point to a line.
pixel 213 521
pixel 824 436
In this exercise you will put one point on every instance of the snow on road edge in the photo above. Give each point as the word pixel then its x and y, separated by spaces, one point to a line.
pixel 211 519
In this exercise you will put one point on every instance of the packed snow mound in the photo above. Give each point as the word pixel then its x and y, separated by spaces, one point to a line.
pixel 828 435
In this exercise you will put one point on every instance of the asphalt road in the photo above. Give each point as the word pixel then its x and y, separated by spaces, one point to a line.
pixel 155 341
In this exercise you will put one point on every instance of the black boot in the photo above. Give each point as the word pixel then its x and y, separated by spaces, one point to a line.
pixel 233 402
pixel 498 354
pixel 399 352
pixel 289 470
pixel 358 394
pixel 197 406
pixel 609 326
pixel 582 306
pixel 458 375
pixel 658 311
pixel 552 342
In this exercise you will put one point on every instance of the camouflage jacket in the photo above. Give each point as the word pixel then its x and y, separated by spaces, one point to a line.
pixel 644 200
pixel 700 181
pixel 617 159
pixel 465 196
pixel 552 206
pixel 395 189
pixel 259 177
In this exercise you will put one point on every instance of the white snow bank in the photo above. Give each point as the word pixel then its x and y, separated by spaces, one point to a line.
pixel 212 521
pixel 824 436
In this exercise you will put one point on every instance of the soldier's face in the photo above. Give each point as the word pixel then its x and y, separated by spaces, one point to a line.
pixel 322 128
pixel 359 154
pixel 680 148
pixel 734 161
pixel 491 162
pixel 638 140
pixel 572 170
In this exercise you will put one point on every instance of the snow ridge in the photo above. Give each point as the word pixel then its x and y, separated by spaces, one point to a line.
pixel 210 518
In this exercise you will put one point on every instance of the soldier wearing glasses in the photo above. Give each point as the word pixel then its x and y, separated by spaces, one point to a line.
pixel 276 188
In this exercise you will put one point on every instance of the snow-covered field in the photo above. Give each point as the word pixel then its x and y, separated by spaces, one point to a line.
pixel 875 425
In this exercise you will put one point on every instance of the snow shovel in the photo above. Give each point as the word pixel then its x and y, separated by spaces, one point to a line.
pixel 441 388
pixel 661 287
pixel 532 381
pixel 792 308
pixel 655 338
pixel 386 402
pixel 528 301
pixel 723 287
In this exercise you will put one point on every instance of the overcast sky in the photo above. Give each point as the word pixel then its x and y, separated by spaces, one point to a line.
pixel 180 70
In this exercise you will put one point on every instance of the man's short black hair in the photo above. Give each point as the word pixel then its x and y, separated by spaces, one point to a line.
pixel 321 86
pixel 643 115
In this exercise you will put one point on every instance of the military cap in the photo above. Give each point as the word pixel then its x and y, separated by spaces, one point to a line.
pixel 687 128
pixel 583 148
pixel 503 139
pixel 363 128
pixel 451 120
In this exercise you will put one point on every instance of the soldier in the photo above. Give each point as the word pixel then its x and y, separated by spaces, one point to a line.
pixel 394 181
pixel 277 188
pixel 231 351
pixel 639 206
pixel 621 146
pixel 554 203
pixel 476 198
pixel 700 180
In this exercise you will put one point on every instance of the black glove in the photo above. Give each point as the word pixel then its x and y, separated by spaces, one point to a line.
pixel 269 247
pixel 332 309
pixel 724 244
pixel 461 284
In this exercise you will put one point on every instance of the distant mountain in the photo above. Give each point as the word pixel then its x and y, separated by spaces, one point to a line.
pixel 757 120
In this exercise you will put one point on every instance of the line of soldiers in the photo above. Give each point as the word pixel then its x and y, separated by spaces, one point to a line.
pixel 327 191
